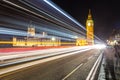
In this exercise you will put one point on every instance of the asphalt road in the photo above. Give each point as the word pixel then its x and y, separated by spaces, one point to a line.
pixel 73 67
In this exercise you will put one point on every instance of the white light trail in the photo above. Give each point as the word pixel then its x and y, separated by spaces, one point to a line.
pixel 56 32
pixel 12 32
pixel 100 46
pixel 16 22
pixel 53 5
pixel 13 68
pixel 49 15
pixel 48 52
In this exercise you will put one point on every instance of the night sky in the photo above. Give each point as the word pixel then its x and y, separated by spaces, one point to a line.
pixel 106 14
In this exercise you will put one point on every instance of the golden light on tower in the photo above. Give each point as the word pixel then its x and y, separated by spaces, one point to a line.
pixel 90 29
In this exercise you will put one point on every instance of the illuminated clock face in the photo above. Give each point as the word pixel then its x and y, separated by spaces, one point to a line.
pixel 89 24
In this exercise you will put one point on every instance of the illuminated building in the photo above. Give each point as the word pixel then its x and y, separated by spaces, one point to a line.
pixel 31 40
pixel 90 29
pixel 114 38
pixel 81 42
pixel 89 33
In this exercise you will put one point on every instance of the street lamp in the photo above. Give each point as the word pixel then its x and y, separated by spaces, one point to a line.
pixel 53 38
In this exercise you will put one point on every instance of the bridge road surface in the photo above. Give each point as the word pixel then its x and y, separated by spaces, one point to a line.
pixel 72 67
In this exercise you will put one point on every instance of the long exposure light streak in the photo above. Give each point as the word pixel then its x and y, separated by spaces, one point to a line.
pixel 23 8
pixel 38 27
pixel 55 32
pixel 14 32
pixel 48 14
pixel 28 10
pixel 6 70
pixel 54 6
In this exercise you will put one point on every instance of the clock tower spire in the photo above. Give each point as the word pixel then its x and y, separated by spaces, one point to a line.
pixel 89 15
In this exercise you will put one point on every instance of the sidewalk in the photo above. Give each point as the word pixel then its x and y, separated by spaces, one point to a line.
pixel 109 56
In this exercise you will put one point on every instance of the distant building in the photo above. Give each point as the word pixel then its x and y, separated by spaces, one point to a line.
pixel 114 37
pixel 117 35
pixel 30 40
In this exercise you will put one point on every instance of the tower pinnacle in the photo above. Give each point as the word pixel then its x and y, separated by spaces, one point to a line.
pixel 89 15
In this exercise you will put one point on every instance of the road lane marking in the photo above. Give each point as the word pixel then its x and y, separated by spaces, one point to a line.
pixel 90 57
pixel 72 71
pixel 93 71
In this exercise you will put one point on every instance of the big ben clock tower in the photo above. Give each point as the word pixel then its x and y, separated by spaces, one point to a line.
pixel 90 29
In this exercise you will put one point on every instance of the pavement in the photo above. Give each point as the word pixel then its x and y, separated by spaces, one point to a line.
pixel 110 67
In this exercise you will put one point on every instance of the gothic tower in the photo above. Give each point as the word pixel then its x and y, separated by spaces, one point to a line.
pixel 90 29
